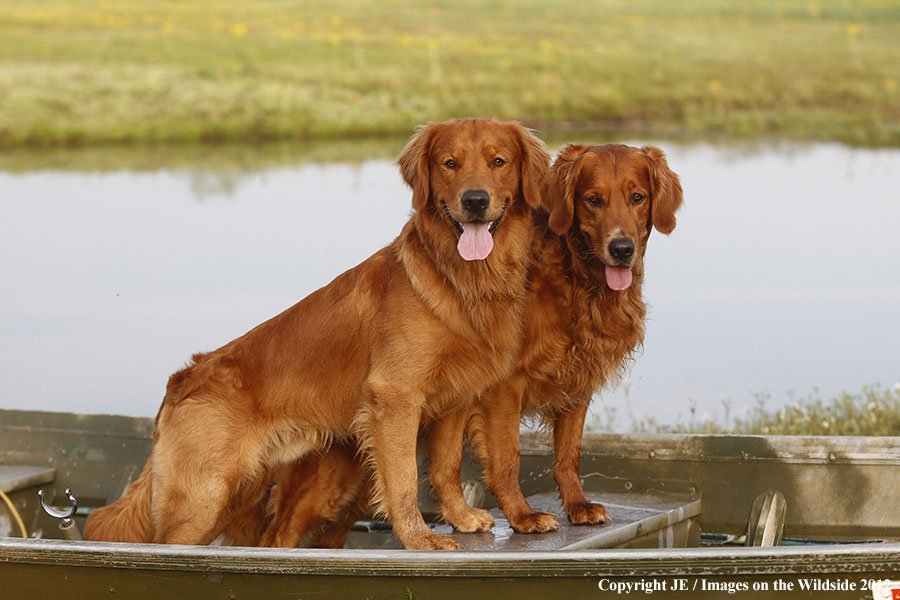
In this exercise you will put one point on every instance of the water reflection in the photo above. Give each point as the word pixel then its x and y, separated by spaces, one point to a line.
pixel 781 275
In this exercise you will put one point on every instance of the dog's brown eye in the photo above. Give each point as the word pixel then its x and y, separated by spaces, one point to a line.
pixel 450 163
pixel 499 162
pixel 595 200
pixel 637 198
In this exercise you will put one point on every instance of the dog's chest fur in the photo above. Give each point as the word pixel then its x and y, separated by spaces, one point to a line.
pixel 478 309
pixel 580 334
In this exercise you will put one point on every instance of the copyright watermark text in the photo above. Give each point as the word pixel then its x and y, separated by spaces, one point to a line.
pixel 624 587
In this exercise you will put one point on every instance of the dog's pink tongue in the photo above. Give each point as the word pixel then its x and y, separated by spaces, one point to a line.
pixel 618 278
pixel 476 242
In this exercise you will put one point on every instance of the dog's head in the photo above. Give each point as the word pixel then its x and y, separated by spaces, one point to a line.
pixel 471 172
pixel 608 198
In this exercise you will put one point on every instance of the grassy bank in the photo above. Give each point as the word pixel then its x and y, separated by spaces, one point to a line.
pixel 126 71
pixel 873 411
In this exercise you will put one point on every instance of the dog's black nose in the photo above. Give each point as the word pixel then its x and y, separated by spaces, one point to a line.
pixel 621 248
pixel 475 201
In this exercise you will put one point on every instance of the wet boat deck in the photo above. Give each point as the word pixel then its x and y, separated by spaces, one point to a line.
pixel 637 519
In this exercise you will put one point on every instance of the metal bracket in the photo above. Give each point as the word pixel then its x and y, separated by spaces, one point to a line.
pixel 66 524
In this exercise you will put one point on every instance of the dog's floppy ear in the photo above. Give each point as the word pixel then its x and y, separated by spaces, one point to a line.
pixel 413 162
pixel 665 189
pixel 559 193
pixel 535 165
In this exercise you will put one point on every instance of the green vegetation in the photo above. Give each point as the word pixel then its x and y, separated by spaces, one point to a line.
pixel 873 411
pixel 225 157
pixel 88 72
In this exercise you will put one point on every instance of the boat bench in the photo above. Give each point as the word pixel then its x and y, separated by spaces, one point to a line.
pixel 20 484
pixel 14 478
pixel 651 519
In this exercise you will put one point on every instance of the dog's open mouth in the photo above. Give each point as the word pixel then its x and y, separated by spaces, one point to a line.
pixel 476 238
pixel 618 278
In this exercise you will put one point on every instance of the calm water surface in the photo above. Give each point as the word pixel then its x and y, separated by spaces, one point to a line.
pixel 782 276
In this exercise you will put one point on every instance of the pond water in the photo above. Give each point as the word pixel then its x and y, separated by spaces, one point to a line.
pixel 783 275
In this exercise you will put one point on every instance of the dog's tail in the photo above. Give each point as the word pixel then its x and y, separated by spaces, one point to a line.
pixel 129 518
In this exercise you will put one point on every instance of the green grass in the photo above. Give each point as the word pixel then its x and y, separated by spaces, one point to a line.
pixel 873 411
pixel 89 72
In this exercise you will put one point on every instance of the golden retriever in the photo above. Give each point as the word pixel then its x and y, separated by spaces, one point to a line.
pixel 414 332
pixel 584 318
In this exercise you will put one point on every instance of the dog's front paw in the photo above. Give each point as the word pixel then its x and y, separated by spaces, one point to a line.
pixel 536 522
pixel 587 513
pixel 474 520
pixel 429 540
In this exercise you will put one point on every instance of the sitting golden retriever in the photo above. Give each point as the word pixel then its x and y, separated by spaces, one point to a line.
pixel 414 332
pixel 584 318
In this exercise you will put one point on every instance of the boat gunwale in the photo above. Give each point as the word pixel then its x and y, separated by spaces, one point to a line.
pixel 702 447
pixel 832 559
pixel 788 449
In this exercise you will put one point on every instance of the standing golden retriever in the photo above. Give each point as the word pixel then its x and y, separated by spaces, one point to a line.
pixel 584 318
pixel 414 332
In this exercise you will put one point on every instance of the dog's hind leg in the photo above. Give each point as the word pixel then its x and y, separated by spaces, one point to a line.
pixel 333 531
pixel 294 502
pixel 203 456
pixel 322 495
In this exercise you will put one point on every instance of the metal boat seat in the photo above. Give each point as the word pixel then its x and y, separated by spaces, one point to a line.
pixel 14 477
